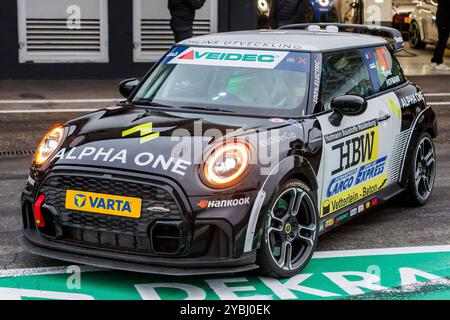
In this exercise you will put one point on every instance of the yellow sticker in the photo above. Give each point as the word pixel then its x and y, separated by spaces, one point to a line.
pixel 353 195
pixel 103 203
pixel 145 132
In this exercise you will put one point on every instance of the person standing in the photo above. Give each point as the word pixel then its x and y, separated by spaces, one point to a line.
pixel 443 25
pixel 283 12
pixel 182 14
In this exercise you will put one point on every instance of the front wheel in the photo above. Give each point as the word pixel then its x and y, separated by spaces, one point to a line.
pixel 422 171
pixel 290 233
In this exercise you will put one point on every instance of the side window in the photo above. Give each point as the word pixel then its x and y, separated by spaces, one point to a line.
pixel 388 69
pixel 344 72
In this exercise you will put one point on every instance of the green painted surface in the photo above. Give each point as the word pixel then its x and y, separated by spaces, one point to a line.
pixel 430 271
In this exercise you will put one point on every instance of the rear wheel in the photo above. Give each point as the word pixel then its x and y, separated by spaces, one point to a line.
pixel 422 171
pixel 291 231
pixel 414 36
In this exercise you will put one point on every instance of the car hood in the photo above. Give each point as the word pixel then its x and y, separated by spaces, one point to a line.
pixel 161 143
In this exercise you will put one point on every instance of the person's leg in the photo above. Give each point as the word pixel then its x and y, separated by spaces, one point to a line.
pixel 438 55
pixel 183 34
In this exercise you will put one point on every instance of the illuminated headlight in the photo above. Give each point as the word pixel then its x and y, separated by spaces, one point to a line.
pixel 324 3
pixel 48 145
pixel 226 164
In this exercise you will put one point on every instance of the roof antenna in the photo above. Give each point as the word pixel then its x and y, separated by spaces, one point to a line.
pixel 314 28
pixel 332 29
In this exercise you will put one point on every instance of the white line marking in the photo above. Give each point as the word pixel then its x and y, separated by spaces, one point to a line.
pixel 317 255
pixel 42 101
pixel 44 270
pixel 444 103
pixel 46 110
pixel 437 94
pixel 380 251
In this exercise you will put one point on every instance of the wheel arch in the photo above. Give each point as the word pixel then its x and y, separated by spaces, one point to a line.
pixel 425 122
pixel 291 167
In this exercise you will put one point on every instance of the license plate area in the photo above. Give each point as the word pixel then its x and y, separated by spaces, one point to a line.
pixel 102 203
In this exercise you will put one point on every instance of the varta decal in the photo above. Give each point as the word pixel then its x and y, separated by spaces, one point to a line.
pixel 103 203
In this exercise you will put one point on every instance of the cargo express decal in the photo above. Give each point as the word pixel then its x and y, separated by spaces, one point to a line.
pixel 358 170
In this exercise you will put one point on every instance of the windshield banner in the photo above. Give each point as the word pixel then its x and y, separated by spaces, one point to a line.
pixel 265 59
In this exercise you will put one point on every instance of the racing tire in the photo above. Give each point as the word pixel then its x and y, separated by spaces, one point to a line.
pixel 415 40
pixel 290 232
pixel 422 172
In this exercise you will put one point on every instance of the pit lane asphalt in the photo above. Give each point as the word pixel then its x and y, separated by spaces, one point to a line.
pixel 391 225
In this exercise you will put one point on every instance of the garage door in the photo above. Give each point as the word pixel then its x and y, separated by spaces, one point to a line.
pixel 63 30
pixel 151 30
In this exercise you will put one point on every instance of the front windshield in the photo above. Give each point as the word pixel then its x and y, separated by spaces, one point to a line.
pixel 272 83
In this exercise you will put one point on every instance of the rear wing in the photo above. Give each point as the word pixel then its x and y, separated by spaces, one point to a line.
pixel 393 36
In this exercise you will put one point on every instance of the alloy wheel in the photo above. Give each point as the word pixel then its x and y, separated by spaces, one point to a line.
pixel 425 168
pixel 413 35
pixel 292 227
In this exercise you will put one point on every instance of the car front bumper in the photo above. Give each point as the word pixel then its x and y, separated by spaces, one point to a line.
pixel 207 241
pixel 34 243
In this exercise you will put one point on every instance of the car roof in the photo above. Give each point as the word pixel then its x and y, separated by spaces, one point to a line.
pixel 285 39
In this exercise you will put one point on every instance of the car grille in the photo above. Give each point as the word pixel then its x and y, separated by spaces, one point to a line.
pixel 108 230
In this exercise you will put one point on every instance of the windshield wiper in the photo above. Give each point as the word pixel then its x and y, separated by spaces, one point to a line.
pixel 207 108
pixel 152 104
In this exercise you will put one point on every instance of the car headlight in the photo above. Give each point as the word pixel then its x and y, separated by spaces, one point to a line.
pixel 48 145
pixel 324 3
pixel 226 164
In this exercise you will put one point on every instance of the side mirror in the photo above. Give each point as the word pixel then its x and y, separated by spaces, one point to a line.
pixel 127 86
pixel 346 105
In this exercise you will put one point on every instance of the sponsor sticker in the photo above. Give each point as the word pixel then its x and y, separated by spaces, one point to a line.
pixel 103 203
pixel 353 212
pixel 277 139
pixel 358 171
pixel 110 155
pixel 360 208
pixel 145 131
pixel 342 217
pixel 374 202
pixel 353 195
pixel 245 58
pixel 329 223
pixel 230 57
pixel 410 99
pixel 223 203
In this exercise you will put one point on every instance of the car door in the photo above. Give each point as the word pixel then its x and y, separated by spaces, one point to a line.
pixel 355 153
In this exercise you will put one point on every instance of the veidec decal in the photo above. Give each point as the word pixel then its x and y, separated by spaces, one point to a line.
pixel 230 56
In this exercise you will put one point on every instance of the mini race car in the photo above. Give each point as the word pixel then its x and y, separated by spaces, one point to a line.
pixel 235 152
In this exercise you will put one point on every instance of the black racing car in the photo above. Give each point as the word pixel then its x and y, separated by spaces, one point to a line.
pixel 236 151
